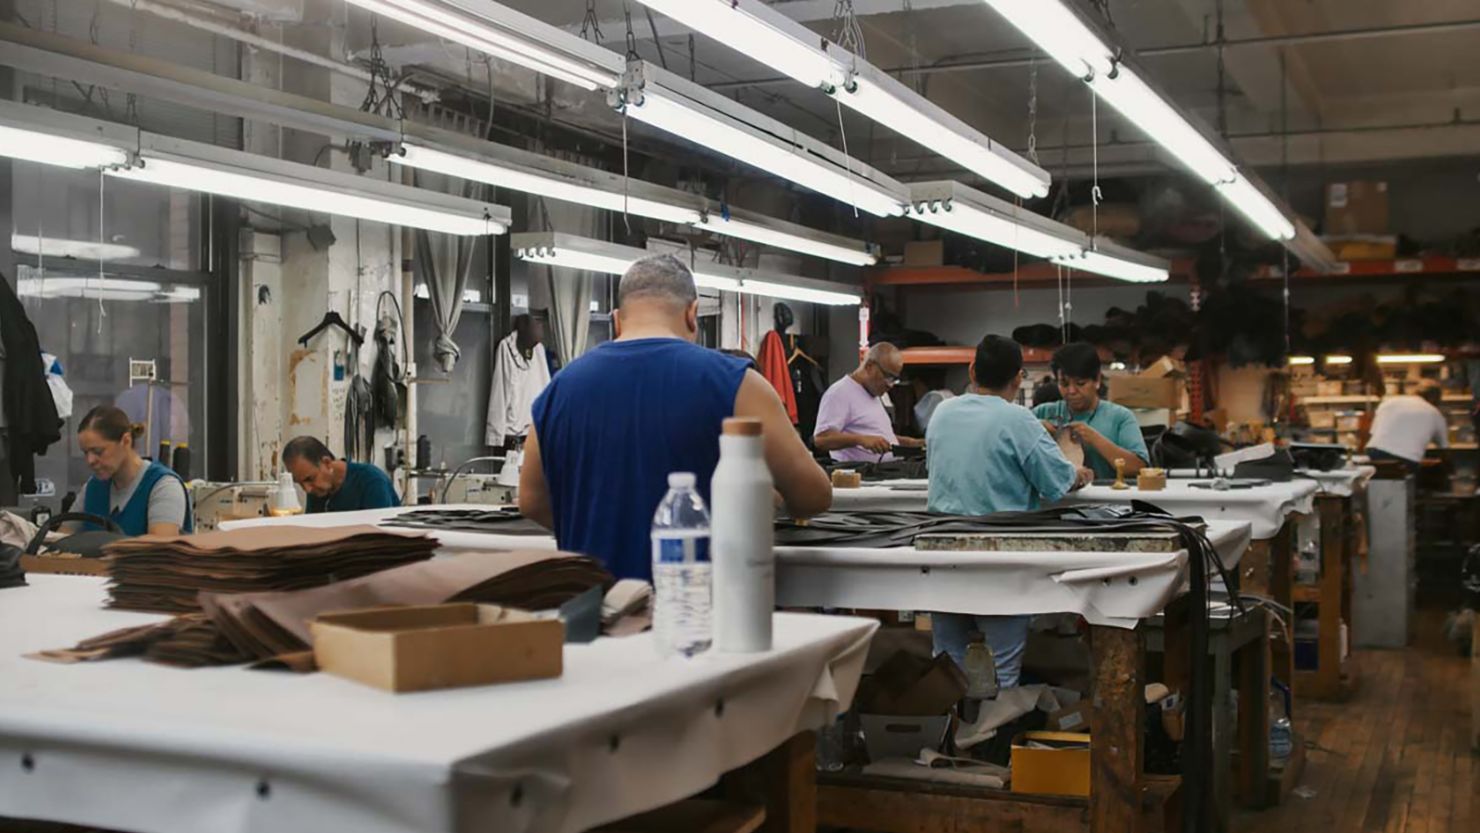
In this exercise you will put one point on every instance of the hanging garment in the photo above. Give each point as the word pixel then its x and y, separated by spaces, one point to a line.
pixel 517 380
pixel 30 412
pixel 808 384
pixel 772 360
pixel 386 380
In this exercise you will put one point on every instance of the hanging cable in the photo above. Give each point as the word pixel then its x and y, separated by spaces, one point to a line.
pixel 1095 196
pixel 102 238
pixel 849 33
pixel 847 159
pixel 1033 109
pixel 1285 187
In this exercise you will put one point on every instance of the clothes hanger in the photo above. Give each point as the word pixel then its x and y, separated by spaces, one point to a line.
pixel 332 318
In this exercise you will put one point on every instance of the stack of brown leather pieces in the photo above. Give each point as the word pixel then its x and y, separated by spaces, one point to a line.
pixel 273 626
pixel 165 574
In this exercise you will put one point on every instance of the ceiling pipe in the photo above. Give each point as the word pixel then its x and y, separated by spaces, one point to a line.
pixel 259 42
pixel 1337 36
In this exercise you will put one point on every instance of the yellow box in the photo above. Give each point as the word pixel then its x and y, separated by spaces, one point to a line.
pixel 1062 770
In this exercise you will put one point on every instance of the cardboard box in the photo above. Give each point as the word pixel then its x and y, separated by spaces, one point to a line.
pixel 1146 391
pixel 1358 207
pixel 64 563
pixel 912 686
pixel 1051 763
pixel 902 736
pixel 1164 367
pixel 1362 246
pixel 438 646
pixel 925 253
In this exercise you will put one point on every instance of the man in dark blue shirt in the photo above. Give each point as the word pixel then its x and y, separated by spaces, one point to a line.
pixel 336 485
pixel 617 421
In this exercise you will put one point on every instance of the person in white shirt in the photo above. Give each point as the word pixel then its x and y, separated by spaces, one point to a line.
pixel 1404 426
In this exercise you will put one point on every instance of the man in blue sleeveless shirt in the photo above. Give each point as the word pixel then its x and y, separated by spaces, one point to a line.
pixel 615 422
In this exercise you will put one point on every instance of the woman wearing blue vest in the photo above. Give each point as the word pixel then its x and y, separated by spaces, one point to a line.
pixel 141 497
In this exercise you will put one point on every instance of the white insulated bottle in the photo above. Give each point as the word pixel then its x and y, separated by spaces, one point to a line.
pixel 742 538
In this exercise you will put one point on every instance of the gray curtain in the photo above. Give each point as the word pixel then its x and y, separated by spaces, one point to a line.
pixel 445 262
pixel 570 291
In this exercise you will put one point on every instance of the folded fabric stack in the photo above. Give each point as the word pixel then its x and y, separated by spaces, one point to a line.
pixel 167 574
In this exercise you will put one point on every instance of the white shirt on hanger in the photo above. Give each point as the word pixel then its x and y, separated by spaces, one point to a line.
pixel 516 382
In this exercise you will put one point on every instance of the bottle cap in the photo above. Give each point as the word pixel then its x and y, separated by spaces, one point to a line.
pixel 682 480
pixel 742 427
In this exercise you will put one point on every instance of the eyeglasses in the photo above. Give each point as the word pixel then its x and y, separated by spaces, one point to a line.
pixel 892 378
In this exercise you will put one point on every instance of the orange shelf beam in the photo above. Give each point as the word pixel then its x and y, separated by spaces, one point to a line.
pixel 1400 268
pixel 964 355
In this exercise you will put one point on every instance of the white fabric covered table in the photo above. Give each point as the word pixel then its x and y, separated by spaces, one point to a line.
pixel 1342 482
pixel 1266 508
pixel 883 496
pixel 1116 589
pixel 452 541
pixel 129 745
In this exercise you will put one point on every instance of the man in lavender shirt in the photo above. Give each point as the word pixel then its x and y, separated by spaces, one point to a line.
pixel 852 424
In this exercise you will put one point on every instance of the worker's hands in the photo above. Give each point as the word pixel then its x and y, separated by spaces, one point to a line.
pixel 911 442
pixel 1085 434
pixel 1053 430
pixel 1082 478
pixel 878 445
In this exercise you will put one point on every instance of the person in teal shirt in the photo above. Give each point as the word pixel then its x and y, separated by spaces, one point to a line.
pixel 1106 430
pixel 336 485
pixel 988 455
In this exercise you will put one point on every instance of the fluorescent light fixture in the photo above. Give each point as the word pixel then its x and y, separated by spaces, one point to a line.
pixel 771 232
pixel 574 252
pixel 1410 358
pixel 1086 51
pixel 759 33
pixel 956 207
pixel 31 244
pixel 506 34
pixel 108 289
pixel 1335 360
pixel 676 105
pixel 1114 261
pixel 766 35
pixel 1258 209
pixel 50 149
pixel 1300 361
pixel 550 185
pixel 196 166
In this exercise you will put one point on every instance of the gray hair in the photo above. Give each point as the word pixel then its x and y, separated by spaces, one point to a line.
pixel 661 277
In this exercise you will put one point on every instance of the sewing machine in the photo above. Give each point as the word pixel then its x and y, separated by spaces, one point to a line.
pixel 216 502
pixel 477 488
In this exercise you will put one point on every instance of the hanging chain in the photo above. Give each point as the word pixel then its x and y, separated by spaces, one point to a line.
pixel 917 78
pixel 632 54
pixel 1094 192
pixel 591 24
pixel 1033 109
pixel 131 101
pixel 102 238
pixel 1285 186
pixel 380 96
pixel 849 32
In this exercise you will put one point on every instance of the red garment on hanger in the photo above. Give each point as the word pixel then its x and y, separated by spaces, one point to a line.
pixel 772 360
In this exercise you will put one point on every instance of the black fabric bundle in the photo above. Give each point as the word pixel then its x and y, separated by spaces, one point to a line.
pixel 505 521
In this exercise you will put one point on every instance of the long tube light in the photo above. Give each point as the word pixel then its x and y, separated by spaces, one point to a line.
pixel 759 31
pixel 686 110
pixel 50 149
pixel 570 251
pixel 1410 358
pixel 196 166
pixel 32 244
pixel 1062 33
pixel 504 33
pixel 599 189
pixel 958 208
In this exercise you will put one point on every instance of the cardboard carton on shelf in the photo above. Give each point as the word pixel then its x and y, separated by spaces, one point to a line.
pixel 1362 246
pixel 1356 207
pixel 419 648
pixel 1146 391
pixel 925 253
pixel 1051 763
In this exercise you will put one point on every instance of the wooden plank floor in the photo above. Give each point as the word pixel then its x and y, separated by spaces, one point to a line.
pixel 1396 757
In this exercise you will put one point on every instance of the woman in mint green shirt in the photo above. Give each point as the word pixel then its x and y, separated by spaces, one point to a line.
pixel 1106 430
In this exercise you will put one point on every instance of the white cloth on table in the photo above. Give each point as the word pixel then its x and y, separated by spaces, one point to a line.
pixel 129 745
pixel 1267 507
pixel 517 381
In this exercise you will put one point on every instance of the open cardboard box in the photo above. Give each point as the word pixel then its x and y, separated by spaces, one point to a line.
pixel 1051 763
pixel 438 646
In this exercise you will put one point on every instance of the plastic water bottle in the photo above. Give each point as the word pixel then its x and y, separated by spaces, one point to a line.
pixel 681 570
